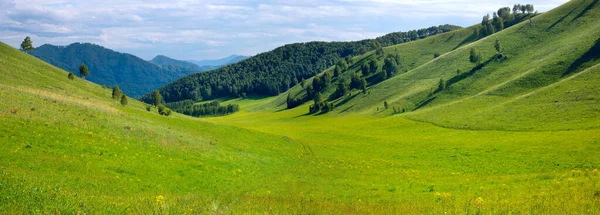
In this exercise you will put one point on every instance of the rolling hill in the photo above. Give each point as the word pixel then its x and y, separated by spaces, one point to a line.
pixel 514 136
pixel 134 75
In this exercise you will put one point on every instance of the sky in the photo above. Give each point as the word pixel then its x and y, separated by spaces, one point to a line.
pixel 208 29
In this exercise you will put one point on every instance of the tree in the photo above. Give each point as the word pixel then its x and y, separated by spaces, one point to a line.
pixel 379 51
pixel 342 88
pixel 71 76
pixel 385 105
pixel 123 100
pixel 157 98
pixel 389 67
pixel 497 46
pixel 365 69
pixel 337 71
pixel 516 8
pixel 529 8
pixel 474 56
pixel 83 71
pixel 373 66
pixel 116 93
pixel 441 85
pixel 523 8
pixel 27 45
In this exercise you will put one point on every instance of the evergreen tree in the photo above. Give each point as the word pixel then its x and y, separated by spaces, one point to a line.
pixel 385 105
pixel 83 71
pixel 123 100
pixel 441 85
pixel 497 46
pixel 157 98
pixel 116 93
pixel 27 45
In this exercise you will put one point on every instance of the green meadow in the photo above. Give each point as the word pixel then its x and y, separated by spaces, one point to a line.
pixel 520 136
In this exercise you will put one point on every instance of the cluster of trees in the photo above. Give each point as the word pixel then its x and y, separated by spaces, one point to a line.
pixel 320 105
pixel 273 72
pixel 503 18
pixel 119 95
pixel 213 108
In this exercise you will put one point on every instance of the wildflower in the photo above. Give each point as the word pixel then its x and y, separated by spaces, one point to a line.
pixel 160 200
pixel 479 202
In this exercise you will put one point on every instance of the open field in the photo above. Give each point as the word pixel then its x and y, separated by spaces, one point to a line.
pixel 492 144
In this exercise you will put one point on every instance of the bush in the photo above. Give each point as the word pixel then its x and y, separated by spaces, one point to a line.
pixel 71 76
pixel 148 107
pixel 162 110
pixel 124 100
pixel 436 55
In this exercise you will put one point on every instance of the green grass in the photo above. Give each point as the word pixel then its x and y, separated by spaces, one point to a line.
pixel 522 147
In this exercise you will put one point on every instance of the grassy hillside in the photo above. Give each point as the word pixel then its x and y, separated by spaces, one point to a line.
pixel 538 56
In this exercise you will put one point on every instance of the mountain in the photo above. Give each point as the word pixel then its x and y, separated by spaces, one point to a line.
pixel 220 62
pixel 134 75
pixel 164 60
pixel 184 67
pixel 273 72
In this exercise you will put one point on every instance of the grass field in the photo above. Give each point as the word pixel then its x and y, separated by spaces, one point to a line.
pixel 66 147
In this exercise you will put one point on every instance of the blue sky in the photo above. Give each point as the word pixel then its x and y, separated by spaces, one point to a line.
pixel 206 29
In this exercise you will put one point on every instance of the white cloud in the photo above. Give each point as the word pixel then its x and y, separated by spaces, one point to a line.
pixel 186 29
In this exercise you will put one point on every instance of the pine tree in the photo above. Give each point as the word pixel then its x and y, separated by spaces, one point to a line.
pixel 157 98
pixel 123 100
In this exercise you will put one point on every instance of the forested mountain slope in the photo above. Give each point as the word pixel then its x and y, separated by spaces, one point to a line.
pixel 273 72
pixel 134 75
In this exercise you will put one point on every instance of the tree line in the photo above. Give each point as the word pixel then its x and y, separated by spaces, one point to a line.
pixel 503 18
pixel 276 71
pixel 214 108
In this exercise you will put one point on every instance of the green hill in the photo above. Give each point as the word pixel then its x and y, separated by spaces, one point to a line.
pixel 134 75
pixel 66 147
pixel 508 93
pixel 219 62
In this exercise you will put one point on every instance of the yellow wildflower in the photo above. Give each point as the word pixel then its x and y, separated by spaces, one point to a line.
pixel 160 200
pixel 479 202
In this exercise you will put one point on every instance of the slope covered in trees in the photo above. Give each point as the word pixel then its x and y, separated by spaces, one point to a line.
pixel 134 75
pixel 276 71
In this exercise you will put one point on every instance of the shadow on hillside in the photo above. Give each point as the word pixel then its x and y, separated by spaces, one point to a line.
pixel 589 7
pixel 346 100
pixel 562 18
pixel 591 55
pixel 474 37
pixel 454 80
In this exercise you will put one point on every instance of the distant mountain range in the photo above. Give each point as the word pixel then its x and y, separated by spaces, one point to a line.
pixel 134 75
pixel 219 62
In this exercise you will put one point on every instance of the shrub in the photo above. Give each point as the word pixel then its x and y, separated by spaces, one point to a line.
pixel 124 100
pixel 148 107
pixel 71 76
pixel 436 55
